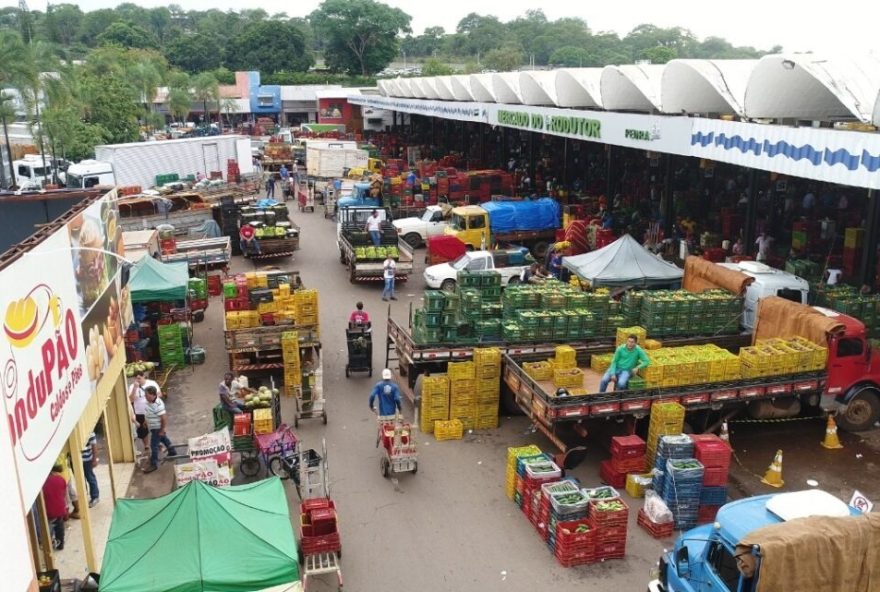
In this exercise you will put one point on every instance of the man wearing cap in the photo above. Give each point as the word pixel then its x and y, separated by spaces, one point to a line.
pixel 388 394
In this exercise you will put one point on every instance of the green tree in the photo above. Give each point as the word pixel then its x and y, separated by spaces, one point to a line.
pixel 504 59
pixel 111 102
pixel 12 58
pixel 94 23
pixel 434 67
pixel 570 57
pixel 206 89
pixel 145 78
pixel 648 36
pixel 269 46
pixel 478 34
pixel 195 52
pixel 360 35
pixel 127 35
pixel 179 95
pixel 658 55
pixel 62 23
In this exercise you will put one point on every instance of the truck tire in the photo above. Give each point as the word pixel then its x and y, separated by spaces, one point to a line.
pixel 862 411
pixel 413 239
pixel 448 285
pixel 513 281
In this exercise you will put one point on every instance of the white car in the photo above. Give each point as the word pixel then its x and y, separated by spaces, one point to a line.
pixel 444 276
pixel 417 231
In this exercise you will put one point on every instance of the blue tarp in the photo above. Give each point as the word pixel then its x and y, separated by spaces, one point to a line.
pixel 509 216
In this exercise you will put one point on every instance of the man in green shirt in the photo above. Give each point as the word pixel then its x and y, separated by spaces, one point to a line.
pixel 628 359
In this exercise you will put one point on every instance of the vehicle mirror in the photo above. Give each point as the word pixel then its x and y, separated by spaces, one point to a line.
pixel 682 562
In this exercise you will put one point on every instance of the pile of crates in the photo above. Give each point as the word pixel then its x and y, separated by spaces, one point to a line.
pixel 255 299
pixel 513 454
pixel 291 360
pixel 846 299
pixel 487 370
pixel 435 401
pixel 666 419
pixel 439 320
pixel 670 447
pixel 171 345
pixel 714 454
pixel 690 364
pixel 463 393
pixel 683 484
pixel 610 518
pixel 770 357
pixel 627 456
pixel 679 312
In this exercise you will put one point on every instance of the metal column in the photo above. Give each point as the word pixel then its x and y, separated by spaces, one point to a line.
pixel 609 173
pixel 751 211
pixel 668 199
pixel 869 254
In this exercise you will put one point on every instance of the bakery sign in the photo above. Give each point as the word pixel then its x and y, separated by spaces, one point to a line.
pixel 45 384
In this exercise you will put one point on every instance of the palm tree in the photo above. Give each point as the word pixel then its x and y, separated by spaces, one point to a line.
pixel 12 52
pixel 40 63
pixel 146 79
pixel 228 104
pixel 179 95
pixel 206 89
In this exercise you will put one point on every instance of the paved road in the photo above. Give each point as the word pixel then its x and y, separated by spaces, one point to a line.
pixel 451 527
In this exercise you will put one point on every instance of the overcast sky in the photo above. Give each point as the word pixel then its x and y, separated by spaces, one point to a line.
pixel 797 26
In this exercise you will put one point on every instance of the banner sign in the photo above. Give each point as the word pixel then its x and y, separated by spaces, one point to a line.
pixel 216 446
pixel 459 111
pixel 207 471
pixel 50 366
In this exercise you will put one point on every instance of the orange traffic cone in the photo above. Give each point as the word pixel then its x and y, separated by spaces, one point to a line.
pixel 831 441
pixel 724 435
pixel 773 476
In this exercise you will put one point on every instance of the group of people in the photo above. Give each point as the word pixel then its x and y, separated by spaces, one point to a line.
pixel 150 418
pixel 285 177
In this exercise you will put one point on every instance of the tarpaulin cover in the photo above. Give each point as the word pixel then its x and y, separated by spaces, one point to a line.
pixel 778 317
pixel 154 281
pixel 818 554
pixel 203 539
pixel 511 216
pixel 701 275
pixel 623 263
pixel 447 247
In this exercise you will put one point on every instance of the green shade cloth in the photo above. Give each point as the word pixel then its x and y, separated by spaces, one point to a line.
pixel 201 538
pixel 154 281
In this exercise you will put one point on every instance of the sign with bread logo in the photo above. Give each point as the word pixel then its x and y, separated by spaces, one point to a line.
pixel 44 379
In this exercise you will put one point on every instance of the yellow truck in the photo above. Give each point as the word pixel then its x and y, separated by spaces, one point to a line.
pixel 528 223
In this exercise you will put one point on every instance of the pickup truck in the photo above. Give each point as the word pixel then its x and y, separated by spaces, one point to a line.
pixel 357 252
pixel 417 231
pixel 443 276
pixel 785 542
pixel 530 223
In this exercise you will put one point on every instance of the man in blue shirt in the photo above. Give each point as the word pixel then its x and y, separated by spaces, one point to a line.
pixel 285 175
pixel 388 394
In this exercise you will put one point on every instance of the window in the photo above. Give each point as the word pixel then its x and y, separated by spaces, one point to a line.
pixel 91 182
pixel 847 348
pixel 457 222
pixel 265 100
pixel 477 222
pixel 789 294
pixel 24 171
pixel 437 217
pixel 477 264
pixel 723 563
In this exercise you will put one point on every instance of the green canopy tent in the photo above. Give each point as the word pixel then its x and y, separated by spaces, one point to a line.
pixel 201 538
pixel 154 281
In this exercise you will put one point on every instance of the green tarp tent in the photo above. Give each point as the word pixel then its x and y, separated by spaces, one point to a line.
pixel 201 538
pixel 154 281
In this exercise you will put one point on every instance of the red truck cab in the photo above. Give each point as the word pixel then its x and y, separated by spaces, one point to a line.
pixel 852 388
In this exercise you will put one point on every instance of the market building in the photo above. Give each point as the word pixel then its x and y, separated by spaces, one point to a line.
pixel 65 303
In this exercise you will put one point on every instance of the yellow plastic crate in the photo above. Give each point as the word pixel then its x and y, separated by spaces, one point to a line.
pixel 601 362
pixel 486 423
pixel 461 370
pixel 487 356
pixel 435 384
pixel 652 344
pixel 636 483
pixel 451 429
pixel 566 357
pixel 570 378
pixel 539 370
pixel 653 373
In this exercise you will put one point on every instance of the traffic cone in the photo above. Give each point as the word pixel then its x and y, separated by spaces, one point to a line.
pixel 831 441
pixel 773 476
pixel 724 435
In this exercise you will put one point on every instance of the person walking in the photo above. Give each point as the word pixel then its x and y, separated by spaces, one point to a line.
pixel 270 185
pixel 388 394
pixel 90 461
pixel 157 421
pixel 374 227
pixel 55 498
pixel 389 270
pixel 138 398
pixel 628 359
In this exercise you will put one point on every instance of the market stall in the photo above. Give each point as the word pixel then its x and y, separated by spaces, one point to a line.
pixel 179 542
pixel 624 263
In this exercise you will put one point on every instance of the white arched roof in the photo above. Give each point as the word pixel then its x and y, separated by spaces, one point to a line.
pixel 403 85
pixel 431 88
pixel 876 118
pixel 505 86
pixel 631 87
pixel 461 87
pixel 383 86
pixel 538 87
pixel 806 86
pixel 443 84
pixel 419 87
pixel 481 88
pixel 705 86
pixel 579 87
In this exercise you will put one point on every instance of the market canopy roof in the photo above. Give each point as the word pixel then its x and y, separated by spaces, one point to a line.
pixel 203 539
pixel 706 86
pixel 623 263
pixel 154 281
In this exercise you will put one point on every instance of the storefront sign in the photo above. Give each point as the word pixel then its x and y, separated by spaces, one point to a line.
pixel 215 446
pixel 206 471
pixel 835 156
pixel 48 368
pixel 444 109
pixel 642 134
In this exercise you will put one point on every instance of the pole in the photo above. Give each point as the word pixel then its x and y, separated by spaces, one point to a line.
pixel 751 211
pixel 609 174
pixel 75 445
pixel 565 162
pixel 532 159
pixel 869 253
pixel 669 201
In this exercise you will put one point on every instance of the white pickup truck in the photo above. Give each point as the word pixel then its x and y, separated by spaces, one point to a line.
pixel 417 231
pixel 444 276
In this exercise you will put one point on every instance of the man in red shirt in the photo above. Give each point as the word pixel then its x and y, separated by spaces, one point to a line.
pixel 248 240
pixel 359 316
pixel 54 495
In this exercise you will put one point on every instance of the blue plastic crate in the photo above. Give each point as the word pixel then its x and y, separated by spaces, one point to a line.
pixel 713 496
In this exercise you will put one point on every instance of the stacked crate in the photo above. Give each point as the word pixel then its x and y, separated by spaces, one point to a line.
pixel 535 473
pixel 487 369
pixel 171 345
pixel 449 429
pixel 627 456
pixel 463 393
pixel 609 517
pixel 306 308
pixel 670 447
pixel 263 423
pixel 683 483
pixel 519 496
pixel 563 502
pixel 714 454
pixel 513 454
pixel 666 419
pixel 291 360
pixel 435 401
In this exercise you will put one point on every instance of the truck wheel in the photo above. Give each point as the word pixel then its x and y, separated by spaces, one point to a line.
pixel 413 239
pixel 539 250
pixel 513 281
pixel 448 285
pixel 861 412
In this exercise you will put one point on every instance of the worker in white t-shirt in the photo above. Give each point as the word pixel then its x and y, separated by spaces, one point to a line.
pixel 389 270
pixel 763 242
pixel 138 398
pixel 374 227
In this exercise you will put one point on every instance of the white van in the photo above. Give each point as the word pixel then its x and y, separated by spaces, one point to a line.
pixel 769 281
pixel 89 173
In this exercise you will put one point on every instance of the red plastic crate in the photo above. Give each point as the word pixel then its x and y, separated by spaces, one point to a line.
pixel 715 476
pixel 316 503
pixel 627 447
pixel 706 514
pixel 658 531
pixel 610 476
pixel 611 533
pixel 607 519
pixel 711 450
pixel 610 551
pixel 566 535
pixel 320 544
pixel 574 558
pixel 634 464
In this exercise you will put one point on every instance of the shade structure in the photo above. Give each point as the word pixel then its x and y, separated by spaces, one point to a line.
pixel 154 281
pixel 623 263
pixel 203 539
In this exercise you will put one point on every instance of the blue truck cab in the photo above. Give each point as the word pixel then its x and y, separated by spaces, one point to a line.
pixel 359 197
pixel 704 558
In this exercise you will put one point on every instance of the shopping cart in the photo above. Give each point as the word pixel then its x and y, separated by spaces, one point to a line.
pixel 399 454
pixel 359 339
